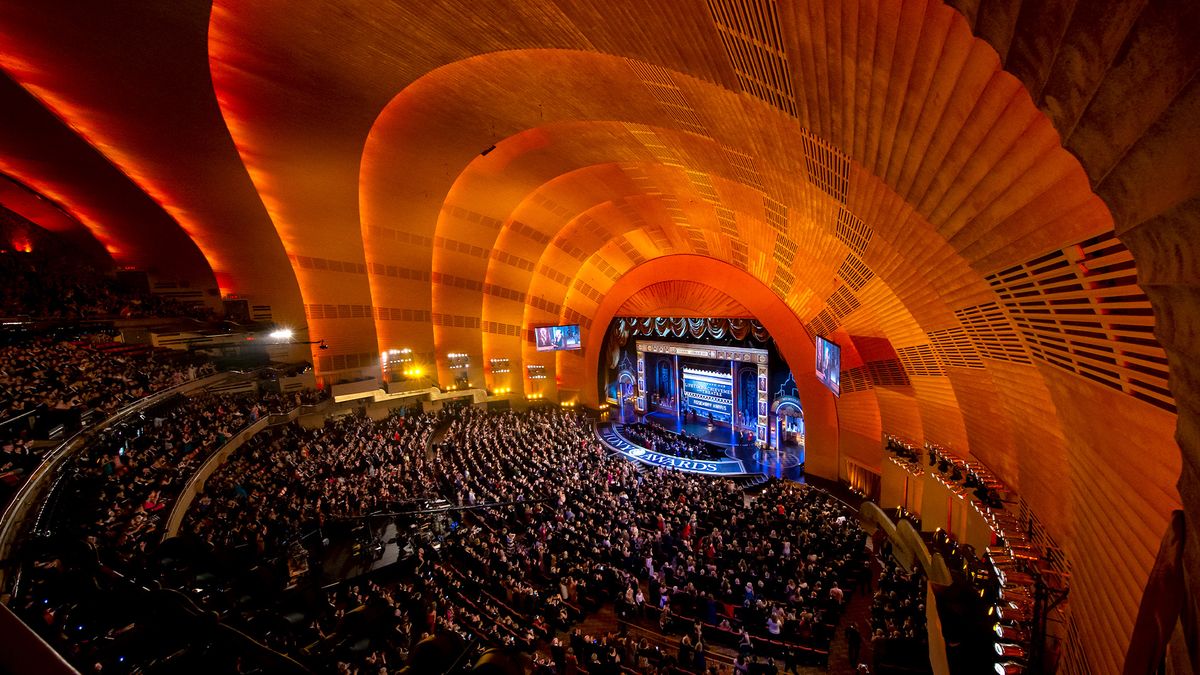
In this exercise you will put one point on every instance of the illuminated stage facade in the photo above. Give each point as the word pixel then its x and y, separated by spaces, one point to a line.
pixel 721 381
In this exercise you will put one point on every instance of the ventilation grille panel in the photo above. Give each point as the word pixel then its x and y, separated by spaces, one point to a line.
pixel 828 168
pixel 753 39
pixel 1080 309
pixel 855 273
pixel 853 232
pixel 842 302
pixel 954 348
pixel 919 360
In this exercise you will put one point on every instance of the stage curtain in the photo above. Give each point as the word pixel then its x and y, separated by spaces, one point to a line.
pixel 696 327
pixel 740 328
pixel 718 328
pixel 758 331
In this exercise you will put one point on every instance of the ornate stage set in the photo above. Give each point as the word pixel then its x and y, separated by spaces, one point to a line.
pixel 721 381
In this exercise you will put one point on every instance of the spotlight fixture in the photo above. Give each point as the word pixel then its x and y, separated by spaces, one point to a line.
pixel 487 150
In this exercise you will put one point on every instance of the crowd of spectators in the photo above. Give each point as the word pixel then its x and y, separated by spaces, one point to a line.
pixel 91 372
pixel 654 437
pixel 898 608
pixel 554 528
pixel 111 510
pixel 268 493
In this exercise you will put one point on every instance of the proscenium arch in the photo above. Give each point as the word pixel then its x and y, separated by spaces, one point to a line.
pixel 792 339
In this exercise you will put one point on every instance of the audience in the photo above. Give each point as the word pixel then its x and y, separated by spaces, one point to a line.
pixel 654 437
pixel 89 373
pixel 554 529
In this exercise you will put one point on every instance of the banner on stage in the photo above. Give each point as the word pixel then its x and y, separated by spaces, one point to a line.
pixel 615 441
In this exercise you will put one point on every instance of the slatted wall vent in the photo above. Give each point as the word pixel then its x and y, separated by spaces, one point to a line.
pixel 551 205
pixel 919 360
pixel 456 281
pixel 854 272
pixel 853 232
pixel 630 252
pixel 992 334
pixel 554 275
pixel 580 318
pixel 703 186
pixel 744 168
pixel 752 37
pixel 659 236
pixel 334 362
pixel 740 253
pixel 402 314
pixel 399 236
pixel 606 269
pixel 1080 308
pixel 570 249
pixel 823 324
pixel 728 222
pixel 260 313
pixel 456 320
pixel 497 328
pixel 663 89
pixel 326 264
pixel 498 291
pixel 588 290
pixel 785 251
pixel 529 232
pixel 776 213
pixel 954 348
pixel 888 373
pixel 653 143
pixel 828 168
pixel 513 261
pixel 856 379
pixel 461 247
pixel 379 269
pixel 630 213
pixel 842 303
pixel 328 312
pixel 474 217
pixel 544 305
pixel 782 283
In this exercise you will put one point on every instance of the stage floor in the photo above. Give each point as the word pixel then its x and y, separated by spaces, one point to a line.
pixel 720 435
pixel 786 463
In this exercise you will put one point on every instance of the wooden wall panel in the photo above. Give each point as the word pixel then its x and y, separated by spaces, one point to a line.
pixel 1121 470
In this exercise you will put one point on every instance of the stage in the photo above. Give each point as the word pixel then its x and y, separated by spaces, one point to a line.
pixel 722 434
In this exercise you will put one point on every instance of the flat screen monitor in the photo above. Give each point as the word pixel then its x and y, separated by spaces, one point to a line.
pixel 829 365
pixel 556 338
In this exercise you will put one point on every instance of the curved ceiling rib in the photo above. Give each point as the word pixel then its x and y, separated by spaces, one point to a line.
pixel 135 85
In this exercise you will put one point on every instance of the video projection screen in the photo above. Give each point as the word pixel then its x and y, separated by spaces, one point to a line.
pixel 557 338
pixel 829 365
pixel 707 391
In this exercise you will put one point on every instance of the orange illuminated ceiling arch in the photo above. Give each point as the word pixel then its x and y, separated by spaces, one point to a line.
pixel 793 340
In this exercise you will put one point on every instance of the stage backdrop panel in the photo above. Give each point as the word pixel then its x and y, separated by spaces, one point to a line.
pixel 709 391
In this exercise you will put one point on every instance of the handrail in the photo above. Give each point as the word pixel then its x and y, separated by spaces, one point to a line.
pixel 15 518
pixel 41 407
pixel 196 483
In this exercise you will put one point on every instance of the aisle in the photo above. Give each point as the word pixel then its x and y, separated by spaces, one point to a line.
pixel 859 610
